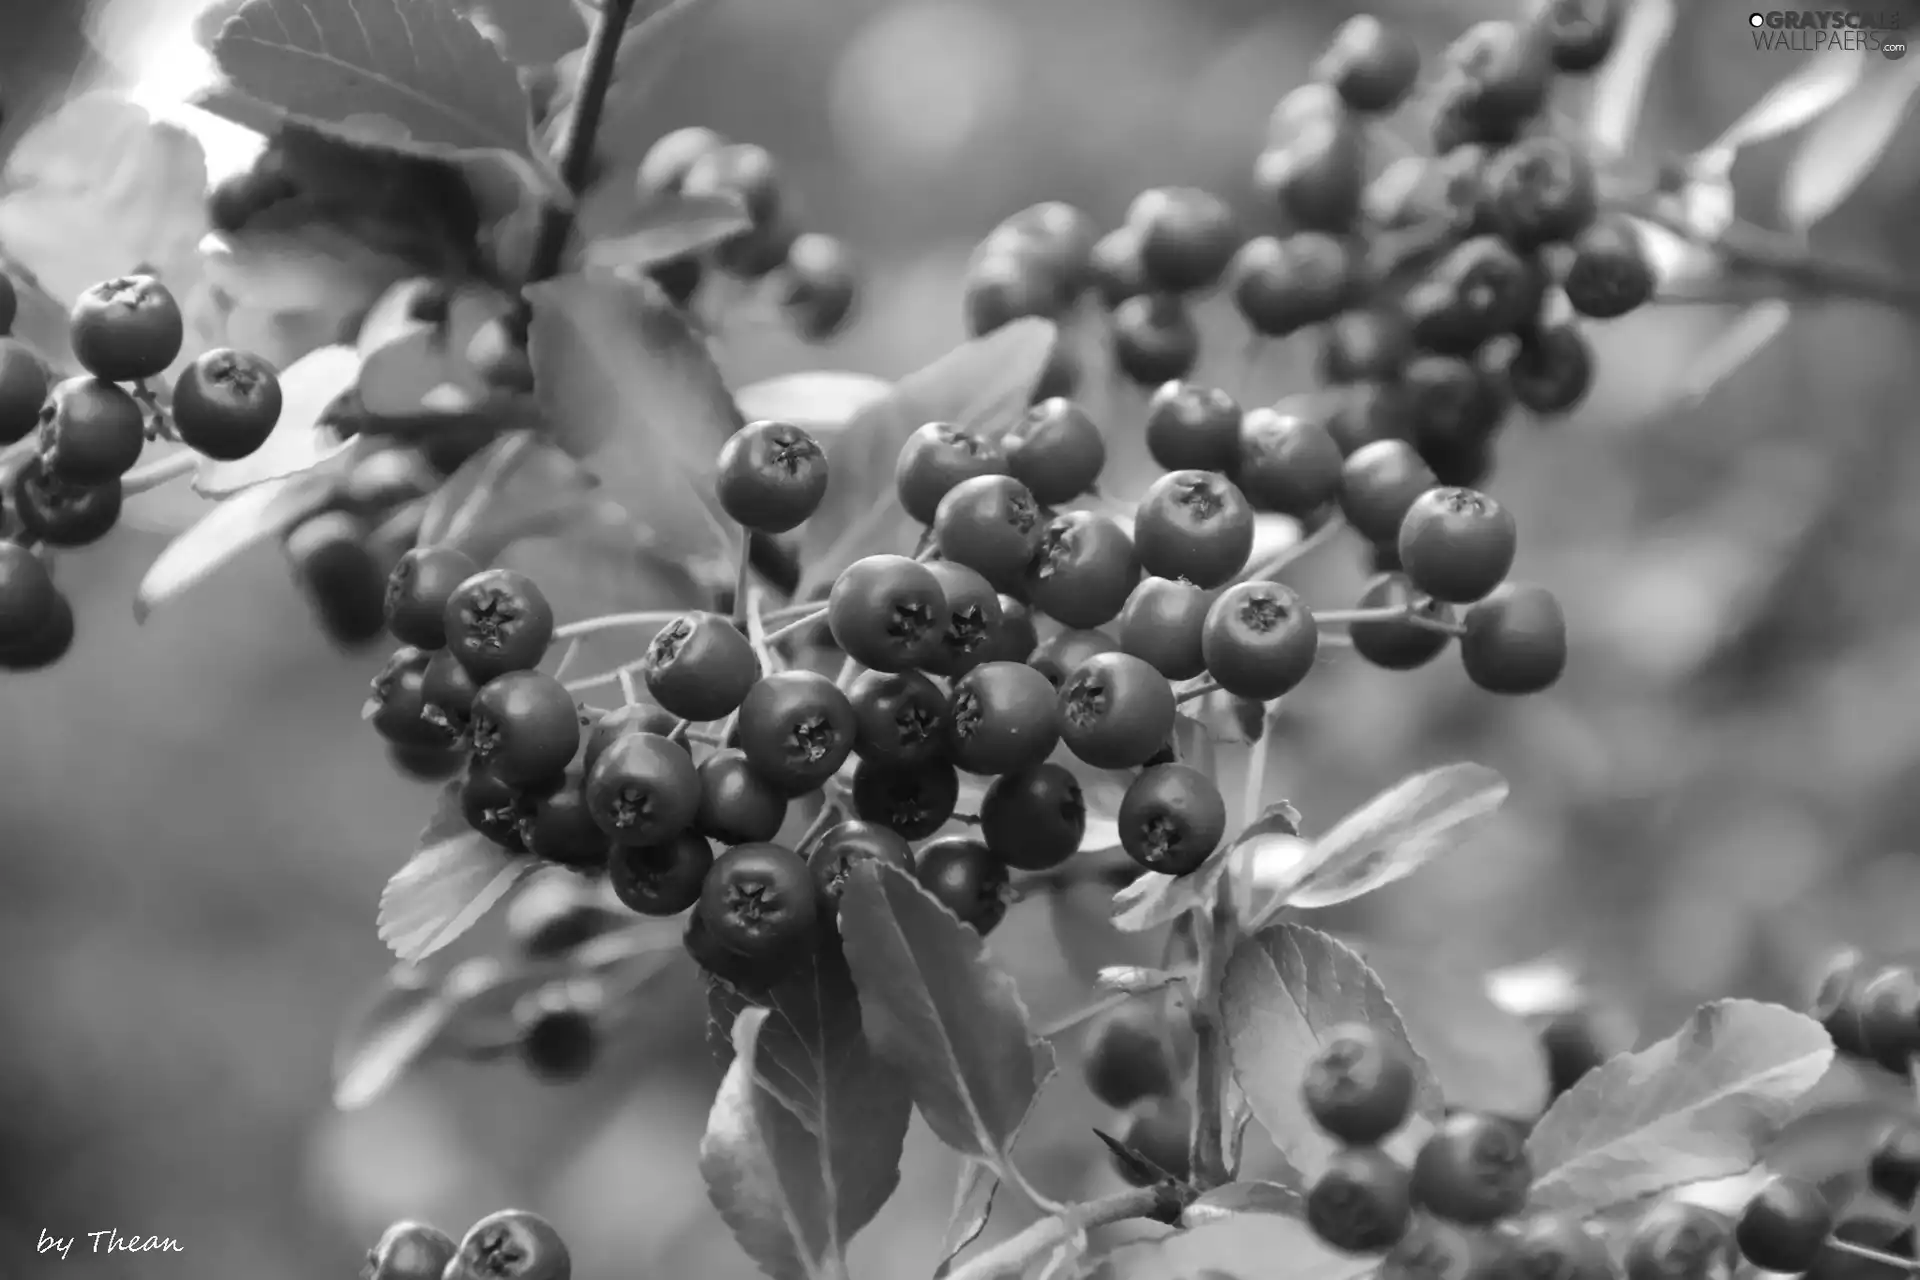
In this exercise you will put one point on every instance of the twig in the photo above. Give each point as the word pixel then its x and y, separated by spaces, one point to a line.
pixel 1862 1251
pixel 1208 1153
pixel 576 143
pixel 612 621
pixel 742 578
pixel 163 471
pixel 1198 691
pixel 1013 1256
pixel 1745 248
pixel 796 626
pixel 1285 558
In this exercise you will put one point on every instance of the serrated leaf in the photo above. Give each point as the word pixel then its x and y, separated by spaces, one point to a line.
pixel 1701 1104
pixel 940 1010
pixel 629 387
pixel 1845 144
pixel 1620 86
pixel 670 228
pixel 803 1144
pixel 417 63
pixel 513 480
pixel 1155 899
pixel 983 385
pixel 242 522
pixel 1482 1056
pixel 821 401
pixel 384 1038
pixel 648 51
pixel 1282 993
pixel 1250 1196
pixel 305 435
pixel 443 891
pixel 973 1196
pixel 1241 1246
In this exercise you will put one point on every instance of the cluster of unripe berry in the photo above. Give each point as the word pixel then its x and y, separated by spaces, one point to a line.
pixel 512 1244
pixel 81 436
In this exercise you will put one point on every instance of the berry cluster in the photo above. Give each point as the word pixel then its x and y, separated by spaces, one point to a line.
pixel 513 1244
pixel 81 437
pixel 1872 1010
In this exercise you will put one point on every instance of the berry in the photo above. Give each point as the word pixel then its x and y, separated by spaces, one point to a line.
pixel 1889 1004
pixel 796 729
pixel 1542 191
pixel 559 1038
pixel 1551 370
pixel 1083 570
pixel 818 286
pixel 1460 120
pixel 1457 405
pixel 934 459
pixel 1379 484
pixel 1116 711
pixel 1161 624
pixel 772 476
pixel 1359 1087
pixel 1192 428
pixel 1515 641
pixel 512 1244
pixel 28 595
pixel 1116 267
pixel 1187 237
pixel 1059 236
pixel 1373 66
pixel 46 645
pixel 1579 33
pixel 611 726
pixel 23 389
pixel 1836 1002
pixel 847 845
pixel 91 432
pixel 409 1251
pixel 1895 1167
pixel 1360 1203
pixel 663 168
pixel 1314 180
pixel 396 706
pixel 1128 1060
pixel 759 900
pixel 1557 1246
pixel 1399 646
pixel 1507 66
pixel 1005 282
pixel 1360 415
pixel 555 915
pixel 526 726
pixel 126 329
pixel 1478 291
pixel 1259 640
pixel 332 563
pixel 972 615
pixel 1446 193
pixel 226 403
pixel 1001 718
pixel 1283 285
pixel 1609 274
pixel 498 621
pixel 418 589
pixel 1066 650
pixel 1473 1169
pixel 1035 818
pixel 899 718
pixel 57 513
pixel 1195 525
pixel 679 278
pixel 741 170
pixel 661 879
pixel 964 877
pixel 990 524
pixel 700 666
pixel 1161 1133
pixel 643 789
pixel 1286 462
pixel 556 826
pixel 737 805
pixel 1056 451
pixel 1434 1249
pixel 494 809
pixel 1784 1226
pixel 1171 818
pixel 1456 544
pixel 1369 345
pixel 1572 1045
pixel 1154 338
pixel 913 800
pixel 1678 1241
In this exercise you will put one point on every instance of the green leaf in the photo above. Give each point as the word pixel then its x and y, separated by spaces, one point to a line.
pixel 417 63
pixel 1283 992
pixel 1250 1196
pixel 1155 899
pixel 386 1036
pixel 803 1144
pixel 629 387
pixel 649 49
pixel 246 520
pixel 306 434
pixel 938 1007
pixel 983 385
pixel 1620 86
pixel 514 480
pixel 820 401
pixel 673 227
pixel 973 1197
pixel 443 891
pixel 528 33
pixel 1845 144
pixel 1702 1104
pixel 1240 1246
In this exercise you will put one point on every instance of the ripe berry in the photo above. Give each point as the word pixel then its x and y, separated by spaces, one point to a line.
pixel 1579 33
pixel 1456 544
pixel 556 915
pixel 418 589
pixel 1083 570
pixel 1171 818
pixel 46 645
pixel 27 593
pixel 1286 462
pixel 226 403
pixel 1035 818
pixel 1006 281
pixel 760 900
pixel 1515 640
pixel 1508 68
pixel 1784 1226
pixel 526 726
pixel 1161 624
pixel 332 564
pixel 1192 428
pixel 1116 269
pixel 990 524
pixel 1056 451
pixel 91 432
pixel 23 389
pixel 494 808
pixel 1836 1001
pixel 498 621
pixel 126 329
pixel 737 805
pixel 847 845
pixel 1895 1167
pixel 1187 237
pixel 1456 404
pixel 971 617
pixel 1259 640
pixel 1473 1169
pixel 1359 1086
pixel 1678 1241
pixel 556 826
pixel 396 706
pixel 1367 345
pixel 1551 370
pixel 1556 1246
pixel 1609 274
pixel 742 170
pixel 660 879
pixel 1064 651
pixel 1001 718
pixel 1399 646
pixel 1360 415
pixel 1128 1060
pixel 966 879
pixel 1154 339
pixel 1015 639
pixel 1573 1047
pixel 559 1038
pixel 913 800
pixel 887 612
pixel 1889 1004
pixel 643 789
pixel 1372 65
pixel 1161 1132
pixel 664 166
pixel 934 459
pixel 1379 484
pixel 1360 1203
pixel 797 729
pixel 1055 239
pixel 1115 711
pixel 512 1244
pixel 611 726
pixel 409 1251
pixel 1541 191
pixel 899 718
pixel 1478 291
pixel 1315 180
pixel 700 666
pixel 772 476
pixel 1283 285
pixel 1195 525
pixel 818 286
pixel 1434 1249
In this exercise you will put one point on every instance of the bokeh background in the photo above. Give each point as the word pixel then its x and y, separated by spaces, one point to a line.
pixel 195 826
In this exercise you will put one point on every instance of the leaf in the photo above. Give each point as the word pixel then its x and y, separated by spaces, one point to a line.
pixel 1135 980
pixel 1813 89
pixel 305 435
pixel 671 228
pixel 1155 899
pixel 940 1010
pixel 1620 86
pixel 803 1144
pixel 1750 333
pixel 417 63
pixel 386 1036
pixel 983 385
pixel 242 522
pixel 1283 991
pixel 443 890
pixel 627 385
pixel 1701 1104
pixel 1845 144
pixel 1251 1196
pixel 1482 1056
pixel 648 51
pixel 821 401
pixel 968 1218
pixel 511 481
pixel 1240 1246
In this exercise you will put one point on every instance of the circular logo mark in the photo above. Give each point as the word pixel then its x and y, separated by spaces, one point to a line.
pixel 1756 19
pixel 1894 49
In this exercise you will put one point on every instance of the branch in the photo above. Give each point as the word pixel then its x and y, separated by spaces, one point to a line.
pixel 576 144
pixel 1747 249
pixel 1013 1256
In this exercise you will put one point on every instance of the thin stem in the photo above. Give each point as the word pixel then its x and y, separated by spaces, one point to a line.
pixel 828 815
pixel 1253 788
pixel 1015 1255
pixel 1198 691
pixel 576 144
pixel 797 625
pixel 1388 613
pixel 742 579
pixel 604 678
pixel 1083 1015
pixel 510 455
pixel 629 688
pixel 1208 1151
pixel 1871 1255
pixel 566 659
pixel 614 621
pixel 162 471
pixel 1280 561
pixel 787 613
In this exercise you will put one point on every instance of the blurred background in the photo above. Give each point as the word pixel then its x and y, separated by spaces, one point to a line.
pixel 197 825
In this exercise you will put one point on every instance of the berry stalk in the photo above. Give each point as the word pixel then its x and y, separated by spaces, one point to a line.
pixel 576 146
pixel 163 471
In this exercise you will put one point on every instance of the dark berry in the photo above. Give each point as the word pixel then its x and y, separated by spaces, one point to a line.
pixel 1369 345
pixel 1399 646
pixel 1480 290
pixel 1359 1087
pixel 1161 624
pixel 700 666
pixel 557 827
pixel 512 1244
pixel 1360 1203
pixel 1378 486
pixel 737 805
pixel 1434 1249
pixel 1895 1167
pixel 1360 415
pixel 1457 544
pixel 847 845
pixel 1784 1226
pixel 899 718
pixel 526 726
pixel 1890 1018
pixel 1515 641
pixel 1128 1059
pixel 1371 64
pixel 1551 370
pixel 396 705
pixel 494 808
pixel 1161 1132
pixel 226 403
pixel 1315 180
pixel 1259 640
pixel 1609 274
pixel 661 879
pixel 972 617
pixel 1678 1241
pixel 57 513
pixel 555 915
pixel 422 582
pixel 1016 637
pixel 23 389
pixel 1473 1169
pixel 990 524
pixel 1001 717
pixel 91 432
pixel 126 329
pixel 1195 525
pixel 1063 652
pixel 498 621
pixel 1115 711
pixel 1556 1246
pixel 1573 1048
pixel 887 612
pixel 1057 240
pixel 1286 462
pixel 966 879
pixel 1456 404
pixel 1508 68
pixel 1192 428
pixel 741 170
pixel 797 729
pixel 1836 1001
pixel 1171 818
pixel 409 1251
pixel 772 476
pixel 760 900
pixel 1083 570
pixel 663 168
pixel 818 286
pixel 559 1035
pixel 1283 285
pixel 913 800
pixel 1056 451
pixel 1116 268
pixel 1187 237
pixel 610 726
pixel 1542 190
pixel 27 593
pixel 643 789
pixel 1579 33
pixel 934 459
pixel 1007 280
pixel 1035 818
pixel 46 644
pixel 1154 339
pixel 339 574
